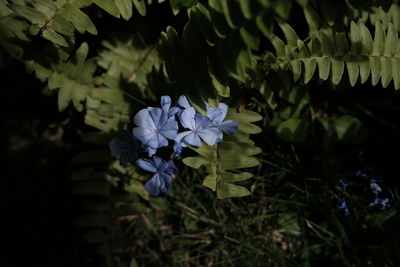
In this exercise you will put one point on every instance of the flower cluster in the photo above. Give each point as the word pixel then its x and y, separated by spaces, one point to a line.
pixel 156 126
pixel 374 187
pixel 343 206
pixel 373 181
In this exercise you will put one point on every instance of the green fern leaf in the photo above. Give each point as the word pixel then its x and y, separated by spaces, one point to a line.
pixel 74 79
pixel 377 56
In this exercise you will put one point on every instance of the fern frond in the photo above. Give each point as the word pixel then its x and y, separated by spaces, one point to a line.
pixel 94 180
pixel 126 63
pixel 391 15
pixel 57 20
pixel 223 160
pixel 13 32
pixel 364 56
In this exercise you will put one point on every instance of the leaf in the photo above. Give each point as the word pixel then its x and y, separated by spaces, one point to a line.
pixel 232 13
pixel 217 16
pixel 109 6
pixel 56 38
pixel 366 49
pixel 265 23
pixel 290 34
pixel 73 78
pixel 228 190
pixel 34 16
pixel 124 8
pixel 293 130
pixel 140 6
pixel 350 130
pixel 312 18
pixel 389 50
pixel 378 48
pixel 79 19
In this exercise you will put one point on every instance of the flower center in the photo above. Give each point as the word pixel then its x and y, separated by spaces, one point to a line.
pixel 156 131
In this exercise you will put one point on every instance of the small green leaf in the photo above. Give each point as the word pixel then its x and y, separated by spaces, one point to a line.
pixel 265 23
pixel 366 49
pixel 228 190
pixel 312 18
pixel 31 14
pixel 232 13
pixel 140 6
pixel 56 38
pixel 109 6
pixel 124 8
pixel 235 177
pixel 290 34
pixel 293 130
pixel 350 130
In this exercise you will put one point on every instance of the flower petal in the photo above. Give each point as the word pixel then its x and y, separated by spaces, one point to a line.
pixel 146 164
pixel 181 135
pixel 202 122
pixel 230 127
pixel 192 139
pixel 178 148
pixel 158 115
pixel 165 103
pixel 215 114
pixel 171 167
pixel 187 118
pixel 158 162
pixel 124 147
pixel 220 137
pixel 166 181
pixel 150 150
pixel 174 110
pixel 153 185
pixel 154 141
pixel 183 102
pixel 143 134
pixel 209 135
pixel 169 129
pixel 144 120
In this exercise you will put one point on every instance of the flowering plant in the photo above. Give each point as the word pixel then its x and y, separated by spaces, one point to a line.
pixel 156 126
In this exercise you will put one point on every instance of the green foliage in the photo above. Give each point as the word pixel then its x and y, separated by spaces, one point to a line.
pixel 57 21
pixel 104 197
pixel 280 63
pixel 362 55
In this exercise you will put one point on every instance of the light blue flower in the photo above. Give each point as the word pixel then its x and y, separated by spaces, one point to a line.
pixel 200 129
pixel 161 180
pixel 343 206
pixel 155 127
pixel 150 150
pixel 183 102
pixel 382 202
pixel 124 147
pixel 376 189
pixel 217 116
pixel 178 147
pixel 166 106
pixel 343 185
